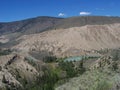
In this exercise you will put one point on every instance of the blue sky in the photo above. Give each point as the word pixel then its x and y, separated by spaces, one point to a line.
pixel 12 10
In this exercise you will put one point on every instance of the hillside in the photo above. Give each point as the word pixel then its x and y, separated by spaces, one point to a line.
pixel 28 26
pixel 103 75
pixel 86 20
pixel 39 24
pixel 71 41
pixel 12 30
pixel 48 53
pixel 9 31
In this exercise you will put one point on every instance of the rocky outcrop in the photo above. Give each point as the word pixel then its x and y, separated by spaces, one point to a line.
pixel 13 68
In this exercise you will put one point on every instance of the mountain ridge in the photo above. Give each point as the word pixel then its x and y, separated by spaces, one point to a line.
pixel 43 23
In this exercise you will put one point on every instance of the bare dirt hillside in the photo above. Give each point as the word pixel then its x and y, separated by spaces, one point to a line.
pixel 71 41
pixel 13 30
pixel 14 68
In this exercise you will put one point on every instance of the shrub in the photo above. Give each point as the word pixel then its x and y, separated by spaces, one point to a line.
pixel 103 85
pixel 4 79
pixel 69 68
pixel 116 54
pixel 30 61
pixel 49 59
pixel 115 66
pixel 5 52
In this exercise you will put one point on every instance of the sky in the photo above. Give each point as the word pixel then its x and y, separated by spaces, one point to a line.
pixel 14 10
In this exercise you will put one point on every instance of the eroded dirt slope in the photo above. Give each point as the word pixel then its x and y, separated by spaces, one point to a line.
pixel 72 40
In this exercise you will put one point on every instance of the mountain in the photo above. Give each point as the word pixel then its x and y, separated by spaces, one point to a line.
pixel 86 20
pixel 48 53
pixel 28 26
pixel 39 24
pixel 12 30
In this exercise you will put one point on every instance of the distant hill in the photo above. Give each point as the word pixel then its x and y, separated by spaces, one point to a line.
pixel 28 26
pixel 86 20
pixel 43 23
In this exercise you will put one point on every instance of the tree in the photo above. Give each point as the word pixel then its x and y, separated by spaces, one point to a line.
pixel 69 68
pixel 4 79
pixel 81 67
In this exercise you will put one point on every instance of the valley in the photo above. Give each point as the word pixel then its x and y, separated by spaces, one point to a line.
pixel 49 53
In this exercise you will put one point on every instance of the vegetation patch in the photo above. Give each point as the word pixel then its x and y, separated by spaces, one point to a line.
pixel 5 52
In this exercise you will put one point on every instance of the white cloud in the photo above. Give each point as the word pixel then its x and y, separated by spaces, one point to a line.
pixel 85 13
pixel 61 14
